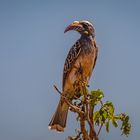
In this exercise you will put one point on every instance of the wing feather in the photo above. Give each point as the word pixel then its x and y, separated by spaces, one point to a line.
pixel 70 60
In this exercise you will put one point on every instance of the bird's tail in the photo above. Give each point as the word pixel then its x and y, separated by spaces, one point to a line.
pixel 58 121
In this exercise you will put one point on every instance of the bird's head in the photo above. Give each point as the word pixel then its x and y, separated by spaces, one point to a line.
pixel 83 27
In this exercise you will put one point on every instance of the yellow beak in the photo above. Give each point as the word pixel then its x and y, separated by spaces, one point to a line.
pixel 72 26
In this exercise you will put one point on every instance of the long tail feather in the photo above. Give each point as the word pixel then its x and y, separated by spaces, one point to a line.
pixel 58 121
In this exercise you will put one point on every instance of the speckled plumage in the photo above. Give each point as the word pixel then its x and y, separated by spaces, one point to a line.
pixel 83 54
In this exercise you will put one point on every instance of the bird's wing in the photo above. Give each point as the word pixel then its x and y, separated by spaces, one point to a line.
pixel 96 53
pixel 70 60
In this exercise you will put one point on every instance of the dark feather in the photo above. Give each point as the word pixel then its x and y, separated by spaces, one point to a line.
pixel 70 60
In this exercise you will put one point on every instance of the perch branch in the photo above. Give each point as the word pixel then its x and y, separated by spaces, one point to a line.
pixel 75 108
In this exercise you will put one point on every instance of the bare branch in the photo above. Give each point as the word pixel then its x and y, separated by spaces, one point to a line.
pixel 100 129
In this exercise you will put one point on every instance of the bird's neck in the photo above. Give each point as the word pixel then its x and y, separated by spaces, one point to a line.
pixel 85 37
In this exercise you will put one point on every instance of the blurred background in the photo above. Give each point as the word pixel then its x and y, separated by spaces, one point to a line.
pixel 33 48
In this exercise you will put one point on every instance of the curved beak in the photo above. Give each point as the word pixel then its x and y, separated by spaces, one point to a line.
pixel 73 26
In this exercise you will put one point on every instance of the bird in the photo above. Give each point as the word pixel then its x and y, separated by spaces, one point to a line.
pixel 83 54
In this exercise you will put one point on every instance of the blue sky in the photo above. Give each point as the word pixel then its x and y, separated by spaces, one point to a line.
pixel 33 48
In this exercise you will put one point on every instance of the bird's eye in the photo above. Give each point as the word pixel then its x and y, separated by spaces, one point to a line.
pixel 85 26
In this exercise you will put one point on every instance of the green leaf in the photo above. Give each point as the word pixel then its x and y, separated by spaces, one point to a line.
pixel 96 118
pixel 97 93
pixel 96 96
pixel 105 115
pixel 107 126
pixel 95 115
pixel 117 117
pixel 114 122
pixel 126 126
pixel 108 110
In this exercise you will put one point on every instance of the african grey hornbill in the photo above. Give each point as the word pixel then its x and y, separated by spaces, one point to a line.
pixel 83 54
